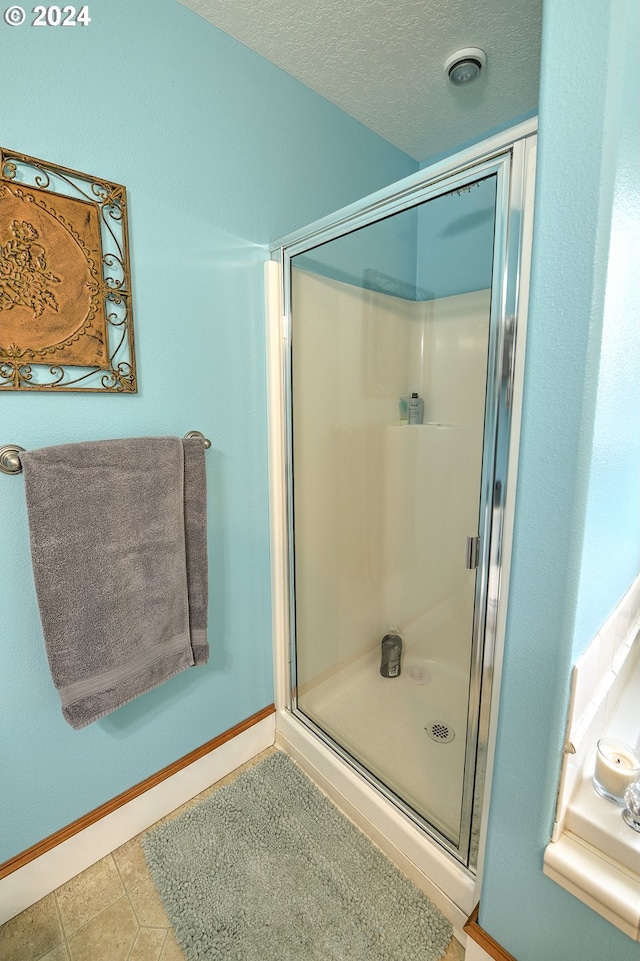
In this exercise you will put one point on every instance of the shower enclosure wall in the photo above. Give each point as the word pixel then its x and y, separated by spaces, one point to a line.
pixel 387 527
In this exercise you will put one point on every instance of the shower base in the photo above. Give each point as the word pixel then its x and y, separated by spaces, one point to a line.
pixel 408 731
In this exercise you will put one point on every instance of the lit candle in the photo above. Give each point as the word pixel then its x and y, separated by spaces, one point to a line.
pixel 617 766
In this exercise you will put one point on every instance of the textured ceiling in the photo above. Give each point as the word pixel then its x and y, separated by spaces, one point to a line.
pixel 382 61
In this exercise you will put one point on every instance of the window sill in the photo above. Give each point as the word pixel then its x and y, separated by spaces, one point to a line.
pixel 596 855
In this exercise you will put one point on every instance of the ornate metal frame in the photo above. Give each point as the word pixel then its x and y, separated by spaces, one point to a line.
pixel 89 342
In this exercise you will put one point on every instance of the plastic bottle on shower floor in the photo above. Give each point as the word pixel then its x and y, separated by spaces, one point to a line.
pixel 391 655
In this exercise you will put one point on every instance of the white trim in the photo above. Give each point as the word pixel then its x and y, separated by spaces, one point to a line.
pixel 598 679
pixel 588 874
pixel 474 952
pixel 420 858
pixel 277 483
pixel 593 854
pixel 44 874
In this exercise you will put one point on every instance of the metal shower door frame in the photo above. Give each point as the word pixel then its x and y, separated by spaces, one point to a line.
pixel 507 163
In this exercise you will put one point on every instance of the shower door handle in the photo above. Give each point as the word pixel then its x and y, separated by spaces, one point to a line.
pixel 473 552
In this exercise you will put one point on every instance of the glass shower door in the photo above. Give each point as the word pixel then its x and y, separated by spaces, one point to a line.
pixel 391 334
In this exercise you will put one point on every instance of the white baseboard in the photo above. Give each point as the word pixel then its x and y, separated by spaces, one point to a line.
pixel 474 952
pixel 44 874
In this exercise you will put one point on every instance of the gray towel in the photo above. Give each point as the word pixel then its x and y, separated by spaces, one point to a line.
pixel 119 553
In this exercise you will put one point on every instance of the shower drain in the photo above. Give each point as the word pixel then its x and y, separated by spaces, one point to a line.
pixel 440 731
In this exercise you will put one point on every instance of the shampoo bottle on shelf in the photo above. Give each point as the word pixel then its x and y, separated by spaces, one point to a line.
pixel 403 407
pixel 416 409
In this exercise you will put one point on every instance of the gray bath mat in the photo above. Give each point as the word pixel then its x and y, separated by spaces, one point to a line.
pixel 267 869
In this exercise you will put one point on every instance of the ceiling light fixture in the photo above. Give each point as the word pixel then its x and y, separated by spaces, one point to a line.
pixel 464 66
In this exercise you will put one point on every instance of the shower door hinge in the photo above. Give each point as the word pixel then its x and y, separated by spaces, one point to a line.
pixel 473 552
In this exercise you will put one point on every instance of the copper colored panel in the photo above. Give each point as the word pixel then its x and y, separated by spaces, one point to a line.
pixel 49 281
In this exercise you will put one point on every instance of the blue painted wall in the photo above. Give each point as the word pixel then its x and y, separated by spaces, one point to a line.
pixel 439 248
pixel 363 257
pixel 455 241
pixel 611 548
pixel 221 154
pixel 576 534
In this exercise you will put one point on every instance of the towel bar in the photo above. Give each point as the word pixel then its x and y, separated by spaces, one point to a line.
pixel 10 454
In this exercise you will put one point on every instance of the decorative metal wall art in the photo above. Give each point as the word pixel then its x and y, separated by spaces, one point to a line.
pixel 65 283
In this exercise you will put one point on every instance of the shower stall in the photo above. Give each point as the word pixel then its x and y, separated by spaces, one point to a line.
pixel 392 438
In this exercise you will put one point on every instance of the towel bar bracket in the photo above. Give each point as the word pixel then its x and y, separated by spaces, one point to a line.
pixel 197 433
pixel 10 459
pixel 10 454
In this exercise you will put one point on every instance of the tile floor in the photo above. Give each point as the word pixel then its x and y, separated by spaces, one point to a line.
pixel 110 912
